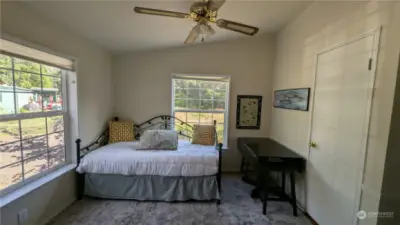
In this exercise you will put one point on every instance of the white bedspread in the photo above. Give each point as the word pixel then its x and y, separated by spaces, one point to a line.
pixel 123 158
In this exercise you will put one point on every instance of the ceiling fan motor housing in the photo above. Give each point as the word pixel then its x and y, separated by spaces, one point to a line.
pixel 199 11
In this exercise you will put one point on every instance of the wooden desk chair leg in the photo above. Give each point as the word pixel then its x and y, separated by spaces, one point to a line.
pixel 293 192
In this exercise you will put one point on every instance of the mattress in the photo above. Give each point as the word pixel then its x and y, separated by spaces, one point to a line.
pixel 122 158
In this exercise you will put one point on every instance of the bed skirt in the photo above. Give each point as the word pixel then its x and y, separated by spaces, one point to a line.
pixel 151 188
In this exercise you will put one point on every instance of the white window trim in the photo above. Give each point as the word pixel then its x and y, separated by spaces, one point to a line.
pixel 70 130
pixel 28 44
pixel 226 114
pixel 26 182
pixel 17 190
pixel 23 116
pixel 23 189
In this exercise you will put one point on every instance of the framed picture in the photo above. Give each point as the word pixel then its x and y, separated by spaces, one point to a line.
pixel 296 99
pixel 248 111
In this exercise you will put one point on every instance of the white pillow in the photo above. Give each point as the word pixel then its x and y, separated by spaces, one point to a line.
pixel 158 140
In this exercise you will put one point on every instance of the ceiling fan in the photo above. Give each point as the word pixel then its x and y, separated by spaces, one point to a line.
pixel 203 12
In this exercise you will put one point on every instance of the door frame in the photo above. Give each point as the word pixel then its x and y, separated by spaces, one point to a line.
pixel 376 33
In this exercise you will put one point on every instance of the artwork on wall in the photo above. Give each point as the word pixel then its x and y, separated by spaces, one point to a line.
pixel 297 99
pixel 248 111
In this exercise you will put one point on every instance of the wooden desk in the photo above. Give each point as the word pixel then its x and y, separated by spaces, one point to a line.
pixel 266 156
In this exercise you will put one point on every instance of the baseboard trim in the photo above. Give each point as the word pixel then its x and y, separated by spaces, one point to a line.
pixel 308 216
pixel 49 218
pixel 313 222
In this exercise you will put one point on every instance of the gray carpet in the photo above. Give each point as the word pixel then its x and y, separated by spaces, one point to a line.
pixel 237 208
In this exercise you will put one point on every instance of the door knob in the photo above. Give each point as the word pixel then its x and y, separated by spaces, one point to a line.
pixel 312 144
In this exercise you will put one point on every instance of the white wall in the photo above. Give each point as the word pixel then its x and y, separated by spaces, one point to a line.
pixel 143 81
pixel 319 27
pixel 94 101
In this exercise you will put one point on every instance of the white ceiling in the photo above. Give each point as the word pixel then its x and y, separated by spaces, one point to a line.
pixel 114 25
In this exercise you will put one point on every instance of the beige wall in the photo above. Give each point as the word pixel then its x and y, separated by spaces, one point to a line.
pixel 43 203
pixel 94 63
pixel 143 81
pixel 319 27
pixel 94 101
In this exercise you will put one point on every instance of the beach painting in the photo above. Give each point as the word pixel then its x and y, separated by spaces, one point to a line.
pixel 296 99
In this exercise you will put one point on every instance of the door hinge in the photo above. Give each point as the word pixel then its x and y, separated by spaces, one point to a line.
pixel 370 64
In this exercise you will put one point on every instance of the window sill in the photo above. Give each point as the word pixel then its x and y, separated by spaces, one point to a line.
pixel 26 189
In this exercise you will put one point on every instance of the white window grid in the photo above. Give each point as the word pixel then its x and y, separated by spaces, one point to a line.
pixel 211 111
pixel 34 115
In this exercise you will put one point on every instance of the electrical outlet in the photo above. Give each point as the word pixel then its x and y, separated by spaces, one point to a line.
pixel 22 216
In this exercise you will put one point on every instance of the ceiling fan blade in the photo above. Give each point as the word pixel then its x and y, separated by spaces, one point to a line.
pixel 193 35
pixel 238 27
pixel 158 12
pixel 214 5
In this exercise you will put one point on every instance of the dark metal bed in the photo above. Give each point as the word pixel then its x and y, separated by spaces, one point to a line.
pixel 165 122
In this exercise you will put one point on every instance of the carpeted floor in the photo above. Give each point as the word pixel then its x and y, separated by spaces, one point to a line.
pixel 237 208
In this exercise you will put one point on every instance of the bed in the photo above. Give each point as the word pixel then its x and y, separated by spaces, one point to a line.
pixel 120 171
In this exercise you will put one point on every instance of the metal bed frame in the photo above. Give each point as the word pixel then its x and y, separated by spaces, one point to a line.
pixel 163 122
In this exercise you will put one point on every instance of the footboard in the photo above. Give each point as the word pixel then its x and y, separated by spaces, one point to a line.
pixel 164 122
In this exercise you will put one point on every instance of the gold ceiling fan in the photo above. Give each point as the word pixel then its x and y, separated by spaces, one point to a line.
pixel 202 12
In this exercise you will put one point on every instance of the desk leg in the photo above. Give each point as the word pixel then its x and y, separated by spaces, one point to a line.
pixel 242 165
pixel 283 187
pixel 293 192
pixel 262 189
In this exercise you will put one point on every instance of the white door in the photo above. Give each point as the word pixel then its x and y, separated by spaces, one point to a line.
pixel 342 101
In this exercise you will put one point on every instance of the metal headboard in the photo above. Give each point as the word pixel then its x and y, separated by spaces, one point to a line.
pixel 163 122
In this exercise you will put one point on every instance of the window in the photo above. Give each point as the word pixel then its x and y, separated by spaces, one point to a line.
pixel 201 100
pixel 32 116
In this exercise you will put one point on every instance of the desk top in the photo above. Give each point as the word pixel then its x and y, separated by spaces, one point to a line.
pixel 265 147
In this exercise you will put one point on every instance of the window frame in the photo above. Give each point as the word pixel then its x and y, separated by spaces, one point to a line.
pixel 64 112
pixel 205 77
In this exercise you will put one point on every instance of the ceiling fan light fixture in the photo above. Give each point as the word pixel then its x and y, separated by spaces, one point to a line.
pixel 206 30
